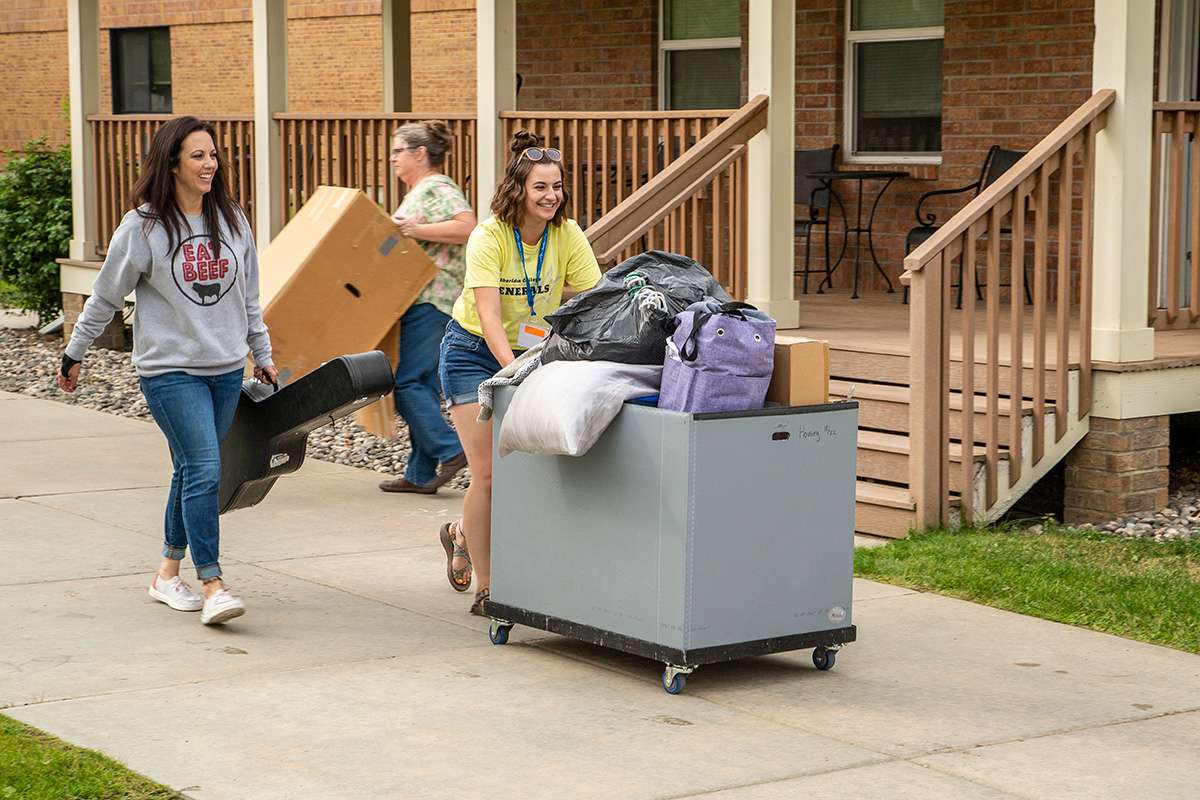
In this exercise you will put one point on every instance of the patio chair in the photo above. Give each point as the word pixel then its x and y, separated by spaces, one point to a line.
pixel 995 163
pixel 812 203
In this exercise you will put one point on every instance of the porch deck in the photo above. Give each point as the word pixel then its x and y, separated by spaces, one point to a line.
pixel 878 323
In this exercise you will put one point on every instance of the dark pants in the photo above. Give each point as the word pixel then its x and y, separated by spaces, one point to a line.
pixel 433 440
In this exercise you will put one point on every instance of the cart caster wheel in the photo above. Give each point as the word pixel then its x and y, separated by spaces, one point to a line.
pixel 675 684
pixel 824 659
pixel 498 633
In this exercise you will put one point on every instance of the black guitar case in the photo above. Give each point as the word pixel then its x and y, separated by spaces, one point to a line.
pixel 270 429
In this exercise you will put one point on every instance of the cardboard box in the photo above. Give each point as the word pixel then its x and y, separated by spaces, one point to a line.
pixel 336 280
pixel 379 418
pixel 801 375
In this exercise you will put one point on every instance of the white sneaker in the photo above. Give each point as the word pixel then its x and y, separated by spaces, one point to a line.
pixel 222 607
pixel 175 593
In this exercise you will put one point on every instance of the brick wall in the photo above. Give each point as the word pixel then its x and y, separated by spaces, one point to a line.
pixel 443 55
pixel 215 65
pixel 25 16
pixel 599 54
pixel 335 63
pixel 36 91
pixel 211 57
pixel 211 69
pixel 1120 468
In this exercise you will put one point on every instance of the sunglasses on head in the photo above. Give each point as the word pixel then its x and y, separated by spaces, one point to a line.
pixel 538 153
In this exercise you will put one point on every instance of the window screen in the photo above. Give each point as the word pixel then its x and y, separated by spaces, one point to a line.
pixel 898 106
pixel 141 70
pixel 704 78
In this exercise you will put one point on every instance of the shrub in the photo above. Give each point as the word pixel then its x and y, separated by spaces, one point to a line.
pixel 35 226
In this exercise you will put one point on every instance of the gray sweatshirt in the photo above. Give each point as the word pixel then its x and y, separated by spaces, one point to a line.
pixel 195 313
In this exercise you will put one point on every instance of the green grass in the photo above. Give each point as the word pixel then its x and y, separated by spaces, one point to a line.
pixel 36 766
pixel 1134 588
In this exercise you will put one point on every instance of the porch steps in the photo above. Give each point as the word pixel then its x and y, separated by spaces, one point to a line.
pixel 884 506
pixel 848 362
pixel 885 408
pixel 883 510
pixel 884 457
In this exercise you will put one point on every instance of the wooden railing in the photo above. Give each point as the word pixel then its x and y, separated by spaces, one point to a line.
pixel 609 157
pixel 121 143
pixel 1175 200
pixel 1043 184
pixel 353 150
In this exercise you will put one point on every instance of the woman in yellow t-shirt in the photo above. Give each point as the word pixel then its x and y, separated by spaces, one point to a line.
pixel 517 264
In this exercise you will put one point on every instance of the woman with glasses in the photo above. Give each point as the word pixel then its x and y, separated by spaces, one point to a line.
pixel 518 262
pixel 438 217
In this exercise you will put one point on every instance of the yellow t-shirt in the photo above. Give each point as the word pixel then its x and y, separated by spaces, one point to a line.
pixel 492 261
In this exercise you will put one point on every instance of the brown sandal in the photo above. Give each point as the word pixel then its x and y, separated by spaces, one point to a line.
pixel 481 597
pixel 460 579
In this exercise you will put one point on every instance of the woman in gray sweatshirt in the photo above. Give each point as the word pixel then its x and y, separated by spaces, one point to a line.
pixel 187 254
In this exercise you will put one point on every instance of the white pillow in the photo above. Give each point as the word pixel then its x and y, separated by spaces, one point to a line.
pixel 564 406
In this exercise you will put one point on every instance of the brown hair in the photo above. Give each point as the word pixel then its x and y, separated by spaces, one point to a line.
pixel 433 135
pixel 155 187
pixel 508 203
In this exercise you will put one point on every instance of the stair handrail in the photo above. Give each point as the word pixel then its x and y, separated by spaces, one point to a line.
pixel 1026 182
pixel 651 203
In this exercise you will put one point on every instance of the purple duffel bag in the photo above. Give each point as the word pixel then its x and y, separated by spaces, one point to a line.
pixel 718 361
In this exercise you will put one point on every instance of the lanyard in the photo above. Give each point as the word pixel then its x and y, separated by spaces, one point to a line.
pixel 530 292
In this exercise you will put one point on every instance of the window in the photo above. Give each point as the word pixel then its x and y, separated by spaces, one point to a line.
pixel 894 80
pixel 141 70
pixel 700 62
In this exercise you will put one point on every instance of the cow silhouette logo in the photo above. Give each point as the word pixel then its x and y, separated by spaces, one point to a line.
pixel 200 274
pixel 204 290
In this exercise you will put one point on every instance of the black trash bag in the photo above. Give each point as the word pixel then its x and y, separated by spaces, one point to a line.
pixel 612 321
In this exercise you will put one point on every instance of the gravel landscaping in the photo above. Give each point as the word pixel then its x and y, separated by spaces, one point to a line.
pixel 109 383
pixel 1179 520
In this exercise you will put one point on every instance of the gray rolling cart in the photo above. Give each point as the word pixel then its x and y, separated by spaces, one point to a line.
pixel 689 539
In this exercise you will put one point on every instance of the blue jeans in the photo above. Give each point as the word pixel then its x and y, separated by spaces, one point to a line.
pixel 195 412
pixel 416 395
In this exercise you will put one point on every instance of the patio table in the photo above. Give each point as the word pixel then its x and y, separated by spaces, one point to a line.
pixel 828 177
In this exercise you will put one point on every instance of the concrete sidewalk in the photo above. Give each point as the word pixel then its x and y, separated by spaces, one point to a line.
pixel 357 672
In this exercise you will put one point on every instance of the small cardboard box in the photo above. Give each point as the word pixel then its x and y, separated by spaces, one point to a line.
pixel 336 280
pixel 801 375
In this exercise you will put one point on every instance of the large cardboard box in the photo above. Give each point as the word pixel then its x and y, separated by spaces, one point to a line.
pixel 335 281
pixel 801 375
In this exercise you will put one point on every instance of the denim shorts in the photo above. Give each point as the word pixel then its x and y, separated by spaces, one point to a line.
pixel 466 361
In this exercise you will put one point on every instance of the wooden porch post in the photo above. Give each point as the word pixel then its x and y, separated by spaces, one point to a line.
pixel 496 91
pixel 1124 61
pixel 769 227
pixel 397 55
pixel 270 98
pixel 83 58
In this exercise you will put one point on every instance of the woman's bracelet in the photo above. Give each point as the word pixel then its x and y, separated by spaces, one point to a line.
pixel 67 363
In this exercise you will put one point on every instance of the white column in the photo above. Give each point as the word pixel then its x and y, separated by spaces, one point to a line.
pixel 770 248
pixel 496 91
pixel 397 55
pixel 1124 61
pixel 270 97
pixel 83 60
